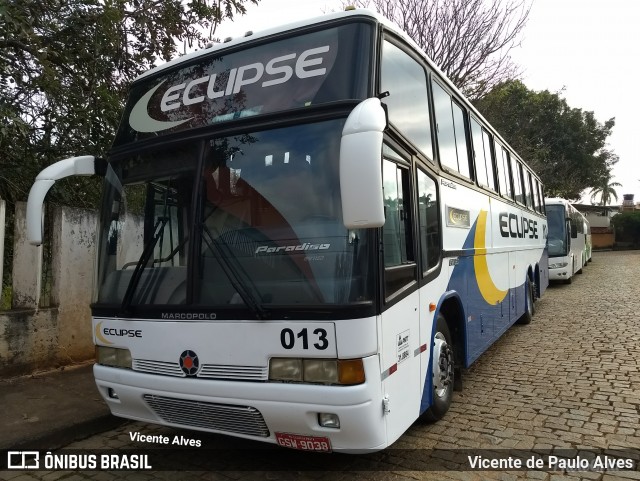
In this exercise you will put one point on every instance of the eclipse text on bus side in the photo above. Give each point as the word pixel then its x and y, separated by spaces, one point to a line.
pixel 513 225
pixel 246 75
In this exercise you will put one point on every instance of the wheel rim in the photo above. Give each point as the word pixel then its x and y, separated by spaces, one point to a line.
pixel 442 365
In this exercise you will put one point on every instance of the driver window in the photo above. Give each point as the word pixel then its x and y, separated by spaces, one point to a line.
pixel 399 258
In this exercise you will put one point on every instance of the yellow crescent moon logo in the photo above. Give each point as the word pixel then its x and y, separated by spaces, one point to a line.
pixel 99 335
pixel 488 289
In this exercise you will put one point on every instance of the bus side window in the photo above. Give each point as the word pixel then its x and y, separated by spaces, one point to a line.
pixel 543 207
pixel 461 140
pixel 528 190
pixel 490 159
pixel 428 222
pixel 444 128
pixel 408 103
pixel 399 258
pixel 516 173
pixel 502 161
pixel 482 155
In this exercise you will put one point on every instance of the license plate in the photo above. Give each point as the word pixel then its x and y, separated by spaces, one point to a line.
pixel 305 443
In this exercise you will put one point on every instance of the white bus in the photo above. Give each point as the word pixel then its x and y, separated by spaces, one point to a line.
pixel 588 245
pixel 291 251
pixel 569 240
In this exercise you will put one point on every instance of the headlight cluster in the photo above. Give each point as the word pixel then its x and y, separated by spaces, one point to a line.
pixel 114 357
pixel 558 265
pixel 325 371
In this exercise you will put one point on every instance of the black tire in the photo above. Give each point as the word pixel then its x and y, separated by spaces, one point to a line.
pixel 530 306
pixel 570 279
pixel 443 372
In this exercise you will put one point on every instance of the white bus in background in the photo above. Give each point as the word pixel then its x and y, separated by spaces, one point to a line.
pixel 569 240
pixel 283 259
pixel 588 245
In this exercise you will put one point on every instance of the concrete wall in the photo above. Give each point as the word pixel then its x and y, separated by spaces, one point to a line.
pixel 74 248
pixel 27 265
pixel 598 220
pixel 28 341
pixel 32 338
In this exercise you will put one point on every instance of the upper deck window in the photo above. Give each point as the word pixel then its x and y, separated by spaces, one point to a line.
pixel 450 123
pixel 408 102
pixel 295 72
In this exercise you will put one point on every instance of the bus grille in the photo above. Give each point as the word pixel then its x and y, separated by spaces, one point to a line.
pixel 208 371
pixel 245 373
pixel 216 417
pixel 158 367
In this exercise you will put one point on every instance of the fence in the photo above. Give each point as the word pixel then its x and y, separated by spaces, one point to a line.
pixel 33 337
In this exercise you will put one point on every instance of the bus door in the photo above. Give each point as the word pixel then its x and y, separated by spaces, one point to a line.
pixel 400 335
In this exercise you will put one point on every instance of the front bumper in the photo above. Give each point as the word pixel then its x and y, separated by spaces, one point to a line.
pixel 252 410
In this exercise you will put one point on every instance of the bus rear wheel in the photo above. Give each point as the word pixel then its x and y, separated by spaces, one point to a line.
pixel 443 363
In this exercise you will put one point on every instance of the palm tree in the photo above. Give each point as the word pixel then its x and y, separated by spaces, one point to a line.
pixel 605 189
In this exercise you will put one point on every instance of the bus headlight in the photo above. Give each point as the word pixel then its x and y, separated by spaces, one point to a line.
pixel 285 369
pixel 319 370
pixel 324 371
pixel 113 356
pixel 558 265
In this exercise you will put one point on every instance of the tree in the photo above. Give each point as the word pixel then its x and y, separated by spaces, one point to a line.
pixel 605 189
pixel 565 146
pixel 64 69
pixel 627 228
pixel 469 40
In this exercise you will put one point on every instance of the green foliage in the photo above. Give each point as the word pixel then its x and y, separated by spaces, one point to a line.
pixel 5 302
pixel 627 227
pixel 65 66
pixel 605 189
pixel 565 146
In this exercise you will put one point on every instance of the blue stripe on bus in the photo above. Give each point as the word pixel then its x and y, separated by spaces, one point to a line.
pixel 488 321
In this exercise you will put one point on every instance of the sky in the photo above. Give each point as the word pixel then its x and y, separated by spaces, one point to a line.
pixel 589 48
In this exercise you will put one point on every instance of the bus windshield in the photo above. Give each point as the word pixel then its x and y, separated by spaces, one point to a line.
pixel 558 236
pixel 261 210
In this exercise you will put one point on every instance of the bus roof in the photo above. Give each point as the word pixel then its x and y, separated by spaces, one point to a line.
pixel 557 201
pixel 250 37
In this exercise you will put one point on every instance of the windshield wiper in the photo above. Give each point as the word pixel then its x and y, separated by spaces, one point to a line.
pixel 232 274
pixel 158 231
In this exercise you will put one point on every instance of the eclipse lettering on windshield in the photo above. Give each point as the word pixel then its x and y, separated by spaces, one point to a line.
pixel 276 71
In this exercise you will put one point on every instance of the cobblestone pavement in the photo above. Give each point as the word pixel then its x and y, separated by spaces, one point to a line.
pixel 570 379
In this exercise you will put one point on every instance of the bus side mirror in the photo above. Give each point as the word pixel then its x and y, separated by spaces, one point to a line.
pixel 361 166
pixel 84 165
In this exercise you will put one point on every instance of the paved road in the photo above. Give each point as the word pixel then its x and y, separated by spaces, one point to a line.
pixel 570 379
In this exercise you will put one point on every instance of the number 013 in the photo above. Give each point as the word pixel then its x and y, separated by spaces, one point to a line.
pixel 288 338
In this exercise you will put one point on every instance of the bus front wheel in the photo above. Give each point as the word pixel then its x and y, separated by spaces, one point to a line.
pixel 443 363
